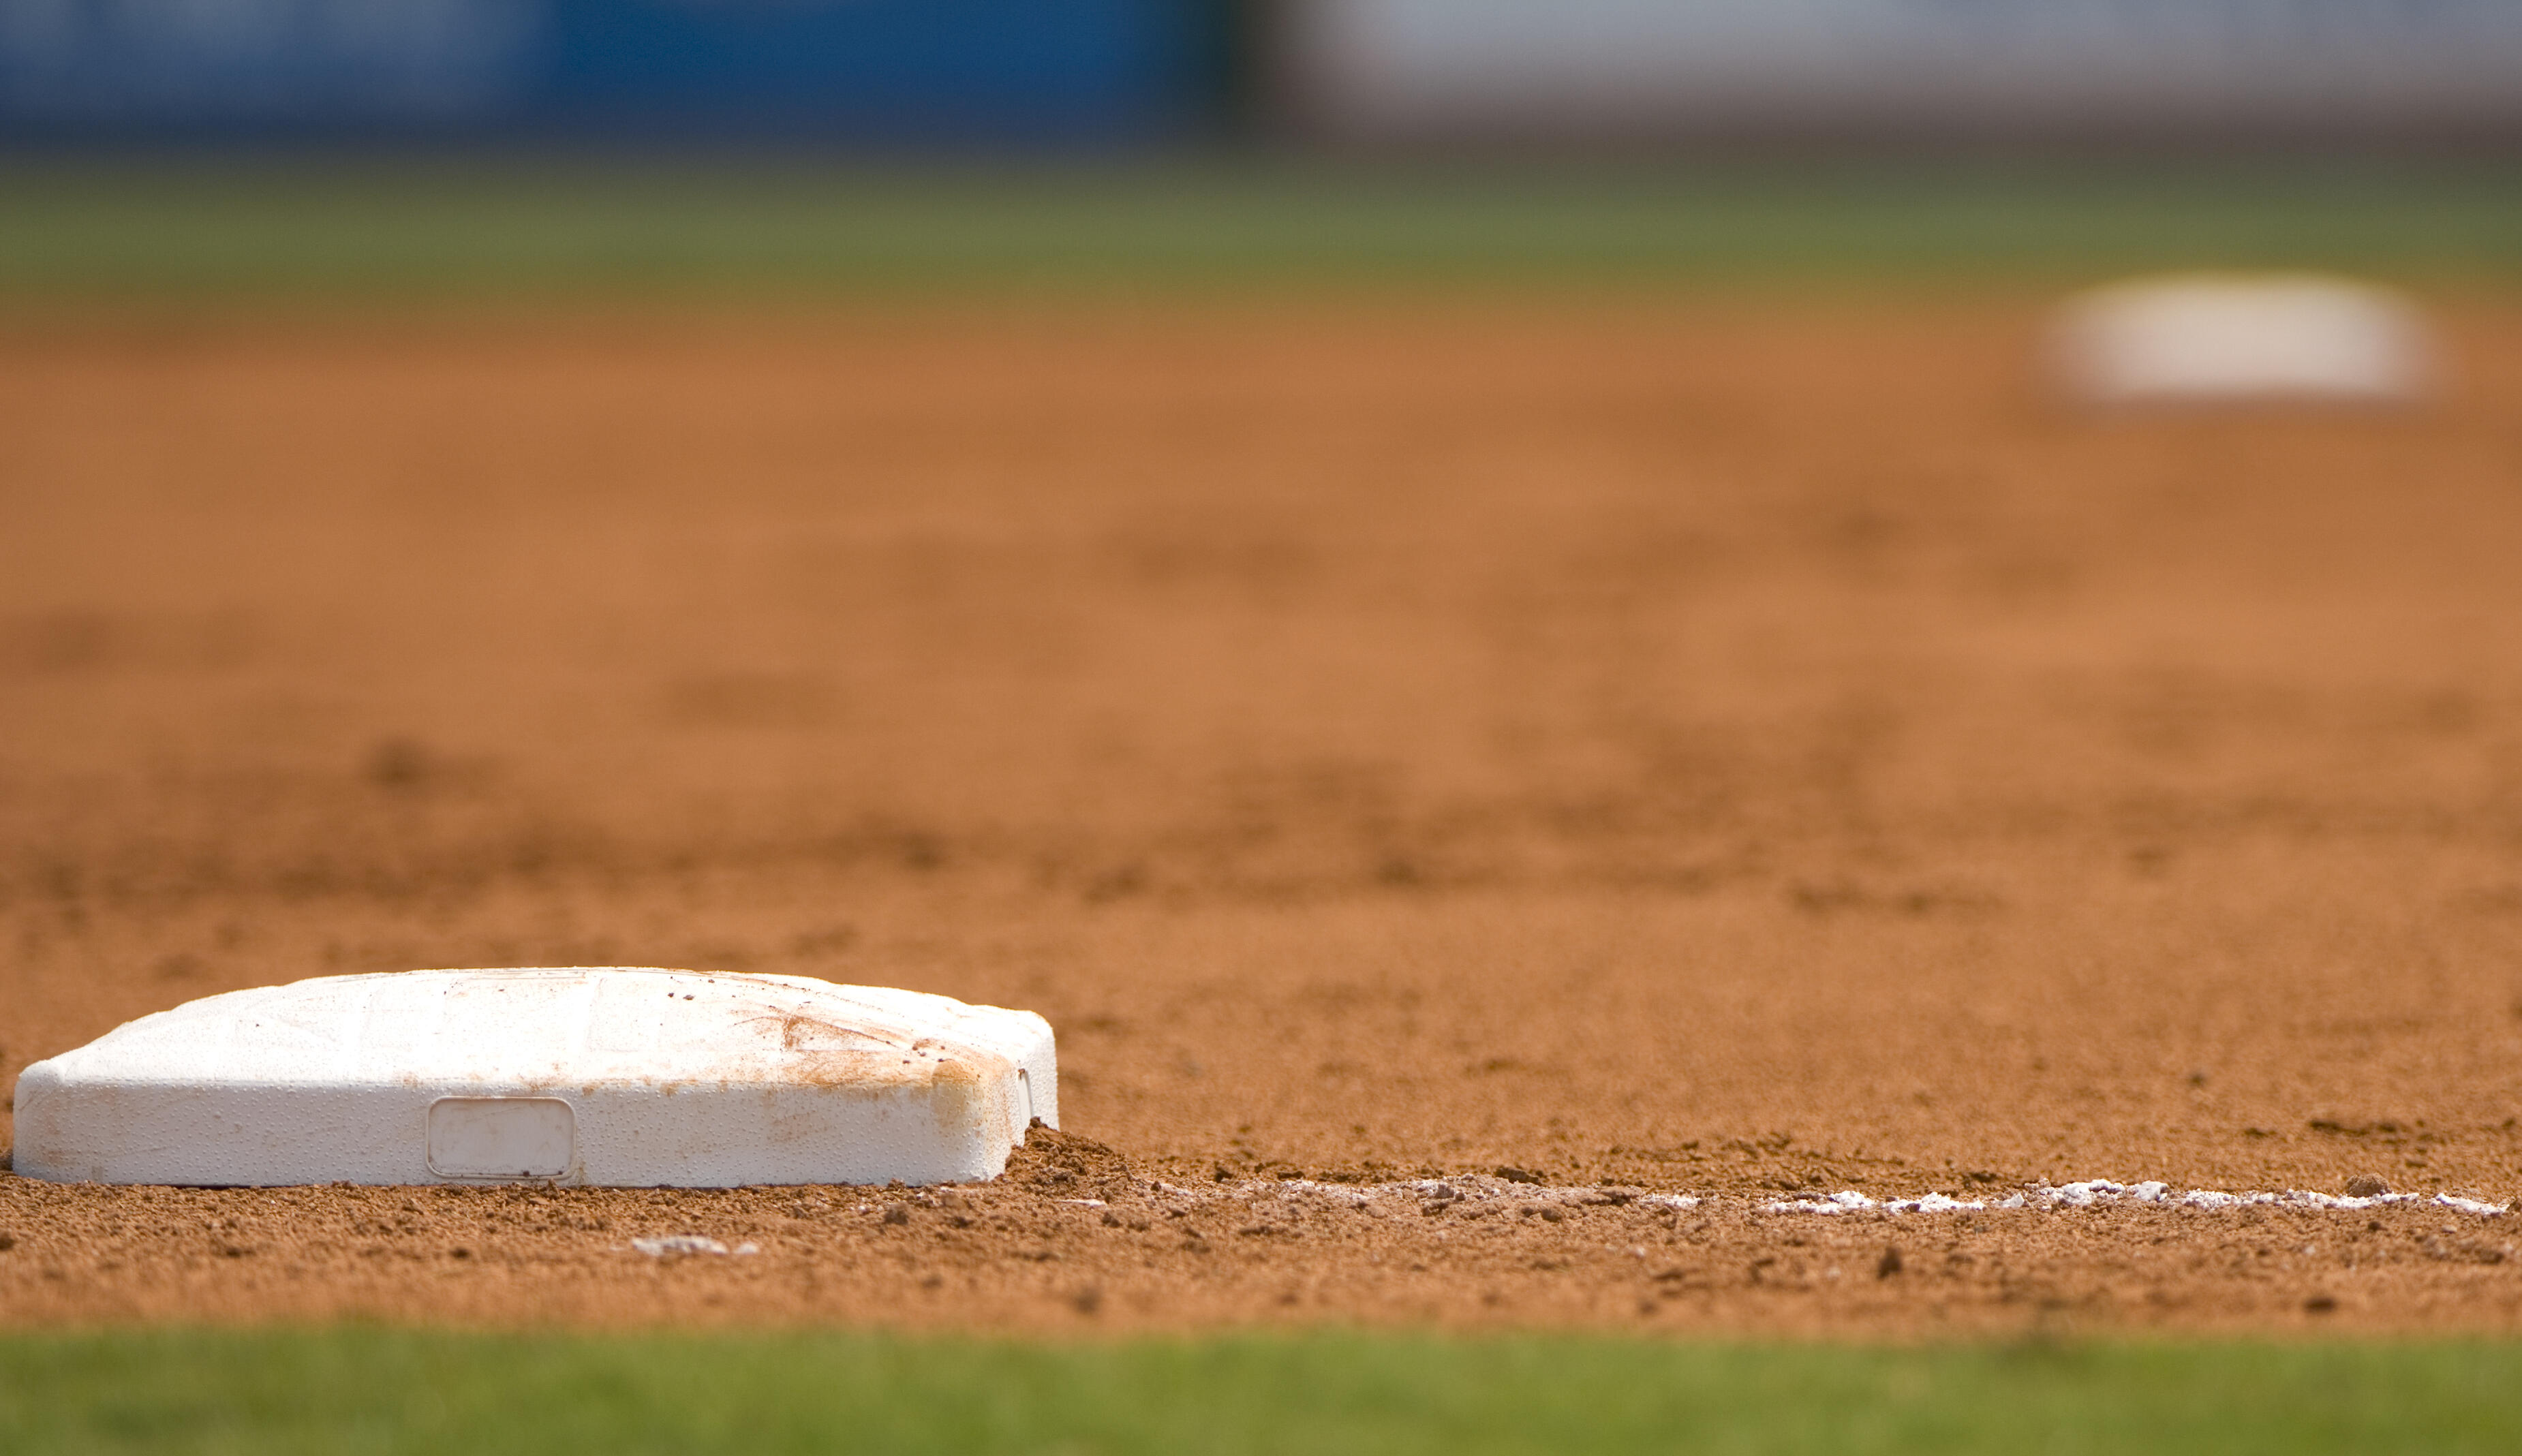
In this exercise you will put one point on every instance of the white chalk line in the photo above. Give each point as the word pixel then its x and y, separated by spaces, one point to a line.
pixel 2101 1193
pixel 1478 1189
pixel 1482 1192
pixel 685 1246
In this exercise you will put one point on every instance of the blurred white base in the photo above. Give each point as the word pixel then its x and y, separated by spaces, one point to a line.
pixel 2210 339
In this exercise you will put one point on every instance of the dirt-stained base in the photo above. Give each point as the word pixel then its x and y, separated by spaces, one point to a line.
pixel 1704 751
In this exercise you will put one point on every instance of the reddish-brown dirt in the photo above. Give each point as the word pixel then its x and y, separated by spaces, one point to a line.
pixel 1728 748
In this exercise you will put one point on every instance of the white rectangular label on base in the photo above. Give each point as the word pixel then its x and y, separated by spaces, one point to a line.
pixel 501 1137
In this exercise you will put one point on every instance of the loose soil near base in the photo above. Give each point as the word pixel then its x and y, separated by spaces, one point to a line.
pixel 1451 772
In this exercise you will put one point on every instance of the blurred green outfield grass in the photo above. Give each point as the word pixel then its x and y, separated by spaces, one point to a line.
pixel 74 229
pixel 362 1389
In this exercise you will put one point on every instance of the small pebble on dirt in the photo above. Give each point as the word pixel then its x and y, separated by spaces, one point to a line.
pixel 1889 1264
pixel 2367 1186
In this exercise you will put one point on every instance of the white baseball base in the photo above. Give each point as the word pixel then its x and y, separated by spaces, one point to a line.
pixel 605 1076
pixel 2208 338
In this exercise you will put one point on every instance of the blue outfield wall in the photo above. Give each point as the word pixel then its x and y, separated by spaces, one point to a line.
pixel 1020 72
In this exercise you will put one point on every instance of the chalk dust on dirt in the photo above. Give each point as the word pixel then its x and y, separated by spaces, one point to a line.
pixel 1580 759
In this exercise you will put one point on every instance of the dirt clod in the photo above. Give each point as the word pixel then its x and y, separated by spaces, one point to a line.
pixel 1068 1165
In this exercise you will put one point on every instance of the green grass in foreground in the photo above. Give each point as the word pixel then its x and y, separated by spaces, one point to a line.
pixel 85 230
pixel 366 1390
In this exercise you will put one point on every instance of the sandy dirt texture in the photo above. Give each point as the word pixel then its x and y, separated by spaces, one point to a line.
pixel 1461 777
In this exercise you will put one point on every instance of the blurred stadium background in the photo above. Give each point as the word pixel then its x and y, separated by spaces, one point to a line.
pixel 1106 74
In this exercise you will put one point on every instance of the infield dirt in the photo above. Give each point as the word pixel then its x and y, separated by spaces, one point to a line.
pixel 1739 749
